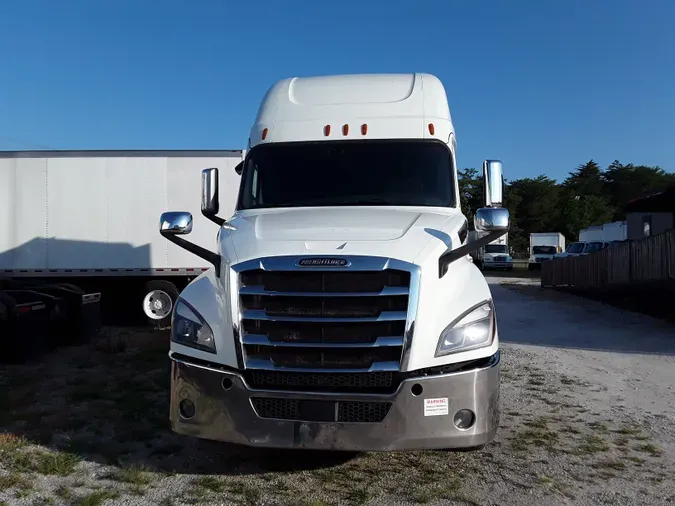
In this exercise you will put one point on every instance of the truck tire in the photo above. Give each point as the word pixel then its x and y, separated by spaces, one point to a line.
pixel 158 301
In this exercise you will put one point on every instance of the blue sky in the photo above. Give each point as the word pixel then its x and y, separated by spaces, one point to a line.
pixel 542 85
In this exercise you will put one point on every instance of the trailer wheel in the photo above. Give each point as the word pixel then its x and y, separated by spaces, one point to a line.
pixel 160 297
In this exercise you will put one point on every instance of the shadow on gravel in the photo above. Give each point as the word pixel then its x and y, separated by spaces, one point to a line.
pixel 110 405
pixel 532 315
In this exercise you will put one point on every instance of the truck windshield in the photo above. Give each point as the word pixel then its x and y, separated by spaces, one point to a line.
pixel 576 247
pixel 593 246
pixel 496 248
pixel 544 250
pixel 338 173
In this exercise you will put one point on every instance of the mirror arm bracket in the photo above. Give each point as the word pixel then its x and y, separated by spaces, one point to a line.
pixel 451 256
pixel 207 255
pixel 216 219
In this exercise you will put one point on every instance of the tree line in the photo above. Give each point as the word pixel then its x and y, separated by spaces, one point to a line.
pixel 588 196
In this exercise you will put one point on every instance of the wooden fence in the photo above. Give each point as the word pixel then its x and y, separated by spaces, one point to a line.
pixel 651 259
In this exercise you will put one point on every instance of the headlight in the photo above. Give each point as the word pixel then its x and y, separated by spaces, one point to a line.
pixel 190 329
pixel 474 329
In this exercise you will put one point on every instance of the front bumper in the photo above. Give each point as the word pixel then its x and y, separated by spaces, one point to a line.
pixel 224 411
pixel 498 265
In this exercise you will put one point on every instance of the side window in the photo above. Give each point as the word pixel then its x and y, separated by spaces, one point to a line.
pixel 253 195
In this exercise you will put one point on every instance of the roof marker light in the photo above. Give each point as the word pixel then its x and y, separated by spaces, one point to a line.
pixel 264 133
pixel 345 129
pixel 326 130
pixel 431 128
pixel 364 129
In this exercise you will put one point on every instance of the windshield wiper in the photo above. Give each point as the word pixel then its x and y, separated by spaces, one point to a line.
pixel 365 202
pixel 336 202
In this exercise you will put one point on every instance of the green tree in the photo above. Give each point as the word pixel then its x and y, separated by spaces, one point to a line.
pixel 623 183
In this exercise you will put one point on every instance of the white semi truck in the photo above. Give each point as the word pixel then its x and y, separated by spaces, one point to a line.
pixel 89 219
pixel 544 246
pixel 342 311
pixel 494 255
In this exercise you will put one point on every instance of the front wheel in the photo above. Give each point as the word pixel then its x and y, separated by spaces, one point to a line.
pixel 160 297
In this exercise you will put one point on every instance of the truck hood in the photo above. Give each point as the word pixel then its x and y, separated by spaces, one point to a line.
pixel 380 231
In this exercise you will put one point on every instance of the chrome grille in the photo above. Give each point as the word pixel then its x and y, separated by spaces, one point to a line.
pixel 353 319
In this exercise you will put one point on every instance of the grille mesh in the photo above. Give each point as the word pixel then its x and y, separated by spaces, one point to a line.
pixel 346 412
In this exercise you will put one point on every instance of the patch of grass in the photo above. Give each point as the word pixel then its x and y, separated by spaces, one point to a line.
pixel 546 480
pixel 433 490
pixel 137 490
pixel 635 459
pixel 211 483
pixel 44 462
pixel 14 480
pixel 538 423
pixel 599 426
pixel 358 495
pixel 622 442
pixel 570 429
pixel 652 449
pixel 64 493
pixel 43 501
pixel 96 498
pixel 617 465
pixel 537 437
pixel 593 444
pixel 134 475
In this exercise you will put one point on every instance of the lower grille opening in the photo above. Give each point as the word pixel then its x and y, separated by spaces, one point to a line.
pixel 375 382
pixel 321 411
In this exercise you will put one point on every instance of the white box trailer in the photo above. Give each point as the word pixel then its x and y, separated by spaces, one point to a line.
pixel 90 218
pixel 590 234
pixel 614 231
pixel 543 247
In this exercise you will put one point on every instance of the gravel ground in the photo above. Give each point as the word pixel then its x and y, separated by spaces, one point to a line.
pixel 588 418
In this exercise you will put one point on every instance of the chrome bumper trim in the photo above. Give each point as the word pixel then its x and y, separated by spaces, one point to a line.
pixel 224 412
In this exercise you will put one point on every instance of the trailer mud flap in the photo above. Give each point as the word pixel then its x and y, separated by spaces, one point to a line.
pixel 24 331
pixel 90 317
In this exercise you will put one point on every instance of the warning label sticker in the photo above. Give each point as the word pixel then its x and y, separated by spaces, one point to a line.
pixel 435 407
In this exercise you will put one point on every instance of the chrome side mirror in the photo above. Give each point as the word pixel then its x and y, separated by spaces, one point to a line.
pixel 210 204
pixel 175 223
pixel 492 219
pixel 493 174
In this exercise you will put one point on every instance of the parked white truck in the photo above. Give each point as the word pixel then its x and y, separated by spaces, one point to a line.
pixel 494 255
pixel 89 219
pixel 342 311
pixel 543 247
